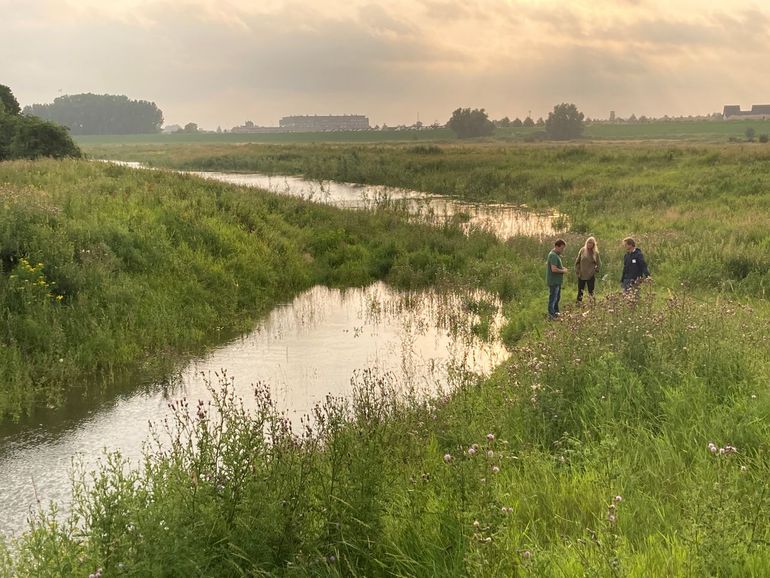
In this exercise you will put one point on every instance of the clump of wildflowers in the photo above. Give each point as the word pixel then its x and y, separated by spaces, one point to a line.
pixel 728 449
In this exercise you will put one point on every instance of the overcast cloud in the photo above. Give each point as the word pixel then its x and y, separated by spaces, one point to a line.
pixel 220 63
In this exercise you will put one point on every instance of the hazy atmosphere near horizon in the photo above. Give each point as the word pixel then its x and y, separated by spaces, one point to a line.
pixel 219 63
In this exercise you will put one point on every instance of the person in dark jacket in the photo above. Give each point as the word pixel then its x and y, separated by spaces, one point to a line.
pixel 634 266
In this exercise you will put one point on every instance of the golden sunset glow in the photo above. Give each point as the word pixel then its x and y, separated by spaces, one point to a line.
pixel 221 62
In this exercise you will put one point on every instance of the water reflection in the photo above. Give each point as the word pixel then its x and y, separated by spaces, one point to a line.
pixel 305 350
pixel 502 219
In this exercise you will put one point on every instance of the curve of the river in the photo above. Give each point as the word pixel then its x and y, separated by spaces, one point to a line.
pixel 308 348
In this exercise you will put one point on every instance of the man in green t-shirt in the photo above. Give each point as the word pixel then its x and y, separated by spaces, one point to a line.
pixel 554 277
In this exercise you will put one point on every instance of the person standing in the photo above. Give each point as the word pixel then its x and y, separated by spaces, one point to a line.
pixel 634 266
pixel 554 277
pixel 587 264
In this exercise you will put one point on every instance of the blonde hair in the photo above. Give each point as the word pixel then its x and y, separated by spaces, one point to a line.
pixel 596 245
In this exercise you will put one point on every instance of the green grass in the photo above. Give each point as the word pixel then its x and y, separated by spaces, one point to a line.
pixel 684 130
pixel 276 138
pixel 103 267
pixel 622 399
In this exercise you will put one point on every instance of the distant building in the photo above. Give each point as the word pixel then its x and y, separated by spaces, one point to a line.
pixel 171 128
pixel 758 111
pixel 330 122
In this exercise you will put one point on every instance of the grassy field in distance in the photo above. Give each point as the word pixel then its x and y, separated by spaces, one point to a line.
pixel 700 130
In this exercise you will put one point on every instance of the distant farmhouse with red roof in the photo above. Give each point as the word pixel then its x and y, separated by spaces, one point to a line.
pixel 758 111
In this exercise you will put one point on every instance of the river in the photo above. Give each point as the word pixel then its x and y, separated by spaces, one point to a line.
pixel 311 347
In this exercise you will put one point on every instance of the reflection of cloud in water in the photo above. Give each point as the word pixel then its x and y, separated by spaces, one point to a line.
pixel 504 220
pixel 304 350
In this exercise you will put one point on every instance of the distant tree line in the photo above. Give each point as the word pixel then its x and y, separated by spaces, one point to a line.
pixel 29 137
pixel 564 123
pixel 100 114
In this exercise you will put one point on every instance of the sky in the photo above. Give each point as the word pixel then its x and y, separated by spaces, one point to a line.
pixel 223 62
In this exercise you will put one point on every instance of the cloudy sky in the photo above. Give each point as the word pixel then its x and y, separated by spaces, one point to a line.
pixel 222 62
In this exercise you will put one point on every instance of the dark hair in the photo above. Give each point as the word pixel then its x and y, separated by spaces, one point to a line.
pixel 559 243
pixel 629 241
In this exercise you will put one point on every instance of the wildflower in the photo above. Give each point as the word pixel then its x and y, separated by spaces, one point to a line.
pixel 526 554
pixel 712 448
pixel 490 437
pixel 495 470
pixel 447 458
pixel 490 454
pixel 728 449
pixel 471 451
pixel 61 360
pixel 744 469
pixel 753 396
pixel 476 524
pixel 611 518
pixel 617 499
pixel 331 559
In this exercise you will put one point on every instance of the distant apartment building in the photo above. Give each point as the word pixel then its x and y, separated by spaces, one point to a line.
pixel 316 123
pixel 758 111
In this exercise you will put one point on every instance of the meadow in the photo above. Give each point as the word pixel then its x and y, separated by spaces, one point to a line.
pixel 629 439
pixel 678 130
pixel 107 268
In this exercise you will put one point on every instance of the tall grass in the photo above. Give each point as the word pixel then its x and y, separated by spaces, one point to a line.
pixel 104 268
pixel 632 441
pixel 629 439
pixel 701 212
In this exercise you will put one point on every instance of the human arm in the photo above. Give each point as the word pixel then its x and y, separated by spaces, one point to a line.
pixel 643 266
pixel 555 264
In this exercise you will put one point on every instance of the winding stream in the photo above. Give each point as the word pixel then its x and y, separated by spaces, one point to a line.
pixel 304 350
pixel 313 346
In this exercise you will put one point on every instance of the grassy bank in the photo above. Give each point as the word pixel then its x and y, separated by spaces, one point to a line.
pixel 630 439
pixel 629 442
pixel 679 201
pixel 103 268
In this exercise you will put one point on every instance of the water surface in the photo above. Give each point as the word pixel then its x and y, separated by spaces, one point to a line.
pixel 503 219
pixel 308 348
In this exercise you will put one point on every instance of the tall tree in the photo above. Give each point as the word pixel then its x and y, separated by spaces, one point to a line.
pixel 8 102
pixel 467 123
pixel 29 137
pixel 101 114
pixel 564 123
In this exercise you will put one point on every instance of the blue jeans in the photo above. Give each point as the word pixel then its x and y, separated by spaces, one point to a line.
pixel 627 284
pixel 554 294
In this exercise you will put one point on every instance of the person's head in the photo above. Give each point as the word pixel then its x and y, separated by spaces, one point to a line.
pixel 591 245
pixel 559 245
pixel 629 244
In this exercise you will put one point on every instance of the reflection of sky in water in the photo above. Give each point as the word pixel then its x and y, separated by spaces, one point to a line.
pixel 304 350
pixel 503 220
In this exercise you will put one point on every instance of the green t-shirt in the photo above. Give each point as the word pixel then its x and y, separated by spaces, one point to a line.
pixel 550 277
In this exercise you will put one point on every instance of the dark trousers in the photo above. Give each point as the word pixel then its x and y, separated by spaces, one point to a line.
pixel 582 284
pixel 554 295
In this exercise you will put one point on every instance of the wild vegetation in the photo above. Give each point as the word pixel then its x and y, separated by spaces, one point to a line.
pixel 103 267
pixel 29 137
pixel 629 439
pixel 678 199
